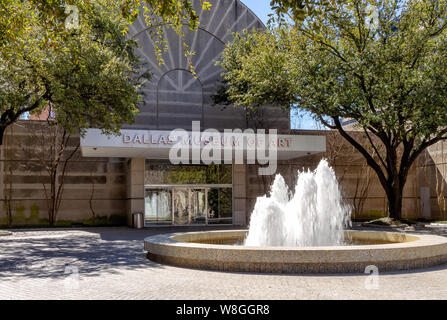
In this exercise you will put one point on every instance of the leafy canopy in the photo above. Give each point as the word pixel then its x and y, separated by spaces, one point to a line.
pixel 85 69
pixel 390 77
pixel 382 63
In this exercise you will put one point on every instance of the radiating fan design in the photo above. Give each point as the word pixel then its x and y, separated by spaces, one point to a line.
pixel 174 97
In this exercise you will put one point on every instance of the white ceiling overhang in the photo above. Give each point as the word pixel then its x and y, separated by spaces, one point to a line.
pixel 157 145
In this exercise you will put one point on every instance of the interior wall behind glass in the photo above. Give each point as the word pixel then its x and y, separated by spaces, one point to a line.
pixel 163 173
pixel 158 205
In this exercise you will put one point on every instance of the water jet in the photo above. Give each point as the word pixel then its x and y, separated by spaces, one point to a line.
pixel 300 232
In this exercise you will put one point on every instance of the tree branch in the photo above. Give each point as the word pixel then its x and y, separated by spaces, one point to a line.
pixel 369 159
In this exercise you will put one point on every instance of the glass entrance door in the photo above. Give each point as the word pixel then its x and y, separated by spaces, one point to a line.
pixel 158 206
pixel 190 206
pixel 181 206
pixel 198 206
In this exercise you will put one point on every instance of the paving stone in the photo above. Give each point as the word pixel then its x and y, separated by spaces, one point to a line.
pixel 110 263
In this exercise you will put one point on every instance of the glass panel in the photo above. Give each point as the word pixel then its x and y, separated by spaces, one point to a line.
pixel 186 198
pixel 198 206
pixel 187 175
pixel 213 205
pixel 226 205
pixel 159 174
pixel 181 206
pixel 212 174
pixel 220 205
pixel 150 212
pixel 154 174
pixel 157 206
pixel 225 174
pixel 165 206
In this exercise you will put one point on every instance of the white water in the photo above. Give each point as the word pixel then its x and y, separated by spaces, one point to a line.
pixel 313 216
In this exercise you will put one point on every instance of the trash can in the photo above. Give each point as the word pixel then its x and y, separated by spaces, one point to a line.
pixel 138 220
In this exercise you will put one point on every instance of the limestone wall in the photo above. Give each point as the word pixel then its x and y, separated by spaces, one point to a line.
pixel 100 191
pixel 431 180
pixel 360 185
pixel 94 188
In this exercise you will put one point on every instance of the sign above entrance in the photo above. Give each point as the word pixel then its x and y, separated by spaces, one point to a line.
pixel 203 139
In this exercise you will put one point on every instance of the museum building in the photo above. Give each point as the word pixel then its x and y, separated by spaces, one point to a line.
pixel 193 192
pixel 145 169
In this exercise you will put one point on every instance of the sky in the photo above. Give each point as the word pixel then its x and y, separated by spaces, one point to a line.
pixel 262 9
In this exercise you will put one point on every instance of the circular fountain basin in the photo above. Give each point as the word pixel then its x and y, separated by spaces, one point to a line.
pixel 219 250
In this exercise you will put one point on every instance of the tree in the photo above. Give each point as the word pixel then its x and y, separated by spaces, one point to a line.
pixel 77 59
pixel 54 154
pixel 383 64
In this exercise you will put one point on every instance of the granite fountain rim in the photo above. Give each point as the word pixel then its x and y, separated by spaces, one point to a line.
pixel 422 240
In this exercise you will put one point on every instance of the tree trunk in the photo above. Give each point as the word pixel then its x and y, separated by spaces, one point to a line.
pixel 395 204
pixel 52 210
pixel 2 133
pixel 394 190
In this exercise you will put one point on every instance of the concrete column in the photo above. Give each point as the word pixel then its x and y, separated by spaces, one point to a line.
pixel 240 194
pixel 135 188
pixel 425 205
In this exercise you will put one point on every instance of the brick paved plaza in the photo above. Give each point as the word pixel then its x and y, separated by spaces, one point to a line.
pixel 109 263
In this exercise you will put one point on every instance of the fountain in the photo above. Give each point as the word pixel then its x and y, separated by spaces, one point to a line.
pixel 299 232
pixel 313 216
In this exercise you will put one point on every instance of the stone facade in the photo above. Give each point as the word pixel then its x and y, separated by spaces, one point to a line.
pixel 94 188
pixel 101 191
pixel 108 190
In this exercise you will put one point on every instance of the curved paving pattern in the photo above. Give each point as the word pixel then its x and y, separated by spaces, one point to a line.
pixel 112 265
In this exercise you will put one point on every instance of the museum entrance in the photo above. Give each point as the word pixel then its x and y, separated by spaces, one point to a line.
pixel 188 195
pixel 192 205
pixel 189 206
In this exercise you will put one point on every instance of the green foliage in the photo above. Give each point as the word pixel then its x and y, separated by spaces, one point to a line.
pixel 211 174
pixel 86 72
pixel 176 14
pixel 299 10
pixel 255 71
pixel 334 65
pixel 86 75
pixel 382 63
